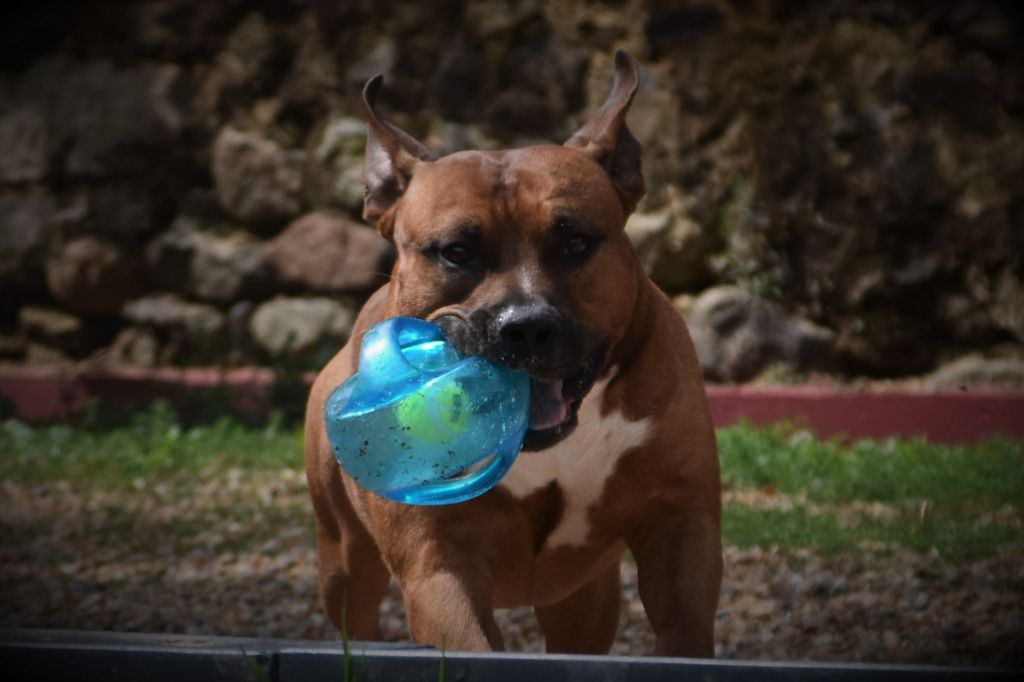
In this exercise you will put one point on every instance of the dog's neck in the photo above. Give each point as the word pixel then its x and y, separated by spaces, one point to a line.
pixel 634 338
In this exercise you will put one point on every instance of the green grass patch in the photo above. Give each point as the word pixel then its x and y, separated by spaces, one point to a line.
pixel 952 536
pixel 964 486
pixel 152 442
pixel 975 494
pixel 891 471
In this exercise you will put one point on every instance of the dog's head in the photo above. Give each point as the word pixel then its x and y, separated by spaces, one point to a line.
pixel 520 255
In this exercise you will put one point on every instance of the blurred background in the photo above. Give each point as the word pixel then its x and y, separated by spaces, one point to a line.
pixel 835 187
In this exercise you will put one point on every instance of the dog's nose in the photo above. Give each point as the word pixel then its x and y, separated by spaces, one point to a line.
pixel 529 334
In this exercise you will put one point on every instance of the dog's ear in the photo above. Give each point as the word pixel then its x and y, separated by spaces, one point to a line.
pixel 391 156
pixel 607 140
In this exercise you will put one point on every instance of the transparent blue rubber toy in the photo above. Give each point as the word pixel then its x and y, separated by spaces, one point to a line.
pixel 420 424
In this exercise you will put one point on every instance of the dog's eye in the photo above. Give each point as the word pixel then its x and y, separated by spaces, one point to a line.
pixel 458 255
pixel 578 246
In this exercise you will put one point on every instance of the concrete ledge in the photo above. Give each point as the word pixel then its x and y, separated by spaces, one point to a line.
pixel 44 655
pixel 53 393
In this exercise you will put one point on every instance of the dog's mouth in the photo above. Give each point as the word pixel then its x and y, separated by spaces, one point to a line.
pixel 554 404
pixel 549 406
pixel 554 399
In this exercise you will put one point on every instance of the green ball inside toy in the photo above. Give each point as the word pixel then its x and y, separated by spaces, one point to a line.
pixel 434 416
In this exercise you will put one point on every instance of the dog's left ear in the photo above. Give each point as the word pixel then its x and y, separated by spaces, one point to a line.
pixel 391 156
pixel 607 140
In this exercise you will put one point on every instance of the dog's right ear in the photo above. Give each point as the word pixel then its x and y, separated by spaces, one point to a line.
pixel 607 140
pixel 391 157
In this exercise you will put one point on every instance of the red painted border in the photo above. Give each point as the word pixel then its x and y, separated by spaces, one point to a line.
pixel 48 393
pixel 942 417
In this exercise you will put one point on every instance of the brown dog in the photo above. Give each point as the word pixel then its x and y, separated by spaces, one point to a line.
pixel 520 256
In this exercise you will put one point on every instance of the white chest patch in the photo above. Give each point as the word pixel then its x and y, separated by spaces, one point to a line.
pixel 581 464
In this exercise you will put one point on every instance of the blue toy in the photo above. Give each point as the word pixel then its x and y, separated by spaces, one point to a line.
pixel 418 423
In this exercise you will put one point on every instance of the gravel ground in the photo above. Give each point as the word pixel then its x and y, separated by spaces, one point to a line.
pixel 234 555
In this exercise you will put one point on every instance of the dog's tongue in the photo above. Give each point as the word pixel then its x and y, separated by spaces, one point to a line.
pixel 547 406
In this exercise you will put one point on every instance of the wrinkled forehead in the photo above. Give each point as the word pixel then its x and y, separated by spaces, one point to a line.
pixel 520 185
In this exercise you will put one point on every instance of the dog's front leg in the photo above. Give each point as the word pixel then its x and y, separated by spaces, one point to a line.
pixel 679 565
pixel 449 607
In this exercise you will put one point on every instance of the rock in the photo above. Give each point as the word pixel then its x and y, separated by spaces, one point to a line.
pixel 543 82
pixel 95 118
pixel 218 267
pixel 334 167
pixel 964 317
pixel 238 318
pixel 974 371
pixel 737 335
pixel 120 210
pixel 114 211
pixel 168 310
pixel 314 82
pixel 135 346
pixel 672 248
pixel 196 330
pixel 678 28
pixel 683 303
pixel 25 141
pixel 91 277
pixel 252 64
pixel 41 354
pixel 141 107
pixel 644 231
pixel 380 60
pixel 257 181
pixel 25 225
pixel 327 253
pixel 163 28
pixel 290 327
pixel 56 329
pixel 228 267
pixel 169 256
pixel 1007 307
pixel 12 346
pixel 494 18
pixel 457 82
pixel 965 90
pixel 448 137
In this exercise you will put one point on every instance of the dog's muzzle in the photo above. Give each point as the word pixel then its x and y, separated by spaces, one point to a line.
pixel 546 343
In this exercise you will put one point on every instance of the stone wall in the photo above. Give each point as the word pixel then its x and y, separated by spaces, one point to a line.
pixel 179 179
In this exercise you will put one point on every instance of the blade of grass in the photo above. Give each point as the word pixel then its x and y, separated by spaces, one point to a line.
pixel 349 675
pixel 441 665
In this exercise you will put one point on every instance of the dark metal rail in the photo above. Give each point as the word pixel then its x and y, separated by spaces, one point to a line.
pixel 43 655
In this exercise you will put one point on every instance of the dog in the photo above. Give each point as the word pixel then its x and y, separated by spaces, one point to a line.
pixel 521 256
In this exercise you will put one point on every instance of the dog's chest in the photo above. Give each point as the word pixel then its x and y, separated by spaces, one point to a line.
pixel 581 465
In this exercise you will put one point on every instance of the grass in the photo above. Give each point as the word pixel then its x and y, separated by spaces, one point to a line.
pixel 964 502
pixel 893 470
pixel 828 534
pixel 791 489
pixel 152 442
